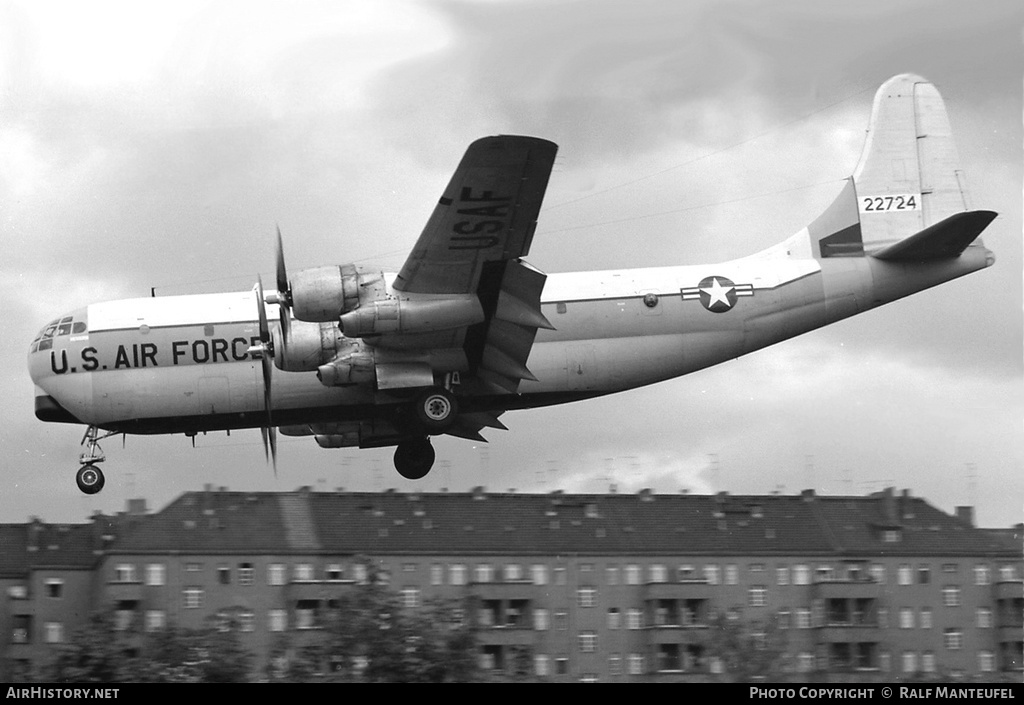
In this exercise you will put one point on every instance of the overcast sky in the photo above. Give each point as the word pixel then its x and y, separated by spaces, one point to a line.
pixel 158 145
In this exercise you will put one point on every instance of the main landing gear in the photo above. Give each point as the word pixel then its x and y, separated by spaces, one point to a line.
pixel 89 477
pixel 432 413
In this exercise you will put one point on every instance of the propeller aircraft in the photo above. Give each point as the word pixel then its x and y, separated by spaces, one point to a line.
pixel 466 330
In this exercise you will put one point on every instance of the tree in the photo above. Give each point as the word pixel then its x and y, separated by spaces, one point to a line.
pixel 94 653
pixel 100 653
pixel 368 636
pixel 748 650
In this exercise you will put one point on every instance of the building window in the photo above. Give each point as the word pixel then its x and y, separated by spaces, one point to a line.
pixel 907 618
pixel 801 575
pixel 156 574
pixel 891 536
pixel 712 574
pixel 483 573
pixel 193 598
pixel 155 620
pixel 612 574
pixel 951 596
pixel 588 642
pixel 304 572
pixel 245 574
pixel 305 615
pixel 783 618
pixel 782 575
pixel 634 619
pixel 803 618
pixel 457 574
pixel 924 574
pixel 659 574
pixel 954 639
pixel 984 618
pixel 586 597
pixel 614 618
pixel 635 664
pixel 560 575
pixel 277 620
pixel 513 572
pixel 541 665
pixel 124 573
pixel 561 620
pixel 246 621
pixel 986 661
pixel 539 571
pixel 276 574
pixel 410 597
pixel 805 662
pixel 335 572
pixel 982 574
pixel 615 665
pixel 224 575
pixel 1007 572
pixel 731 574
pixel 541 620
pixel 909 662
pixel 53 632
pixel 758 596
pixel 437 574
pixel 632 575
pixel 54 588
pixel 905 575
pixel 925 621
pixel 877 571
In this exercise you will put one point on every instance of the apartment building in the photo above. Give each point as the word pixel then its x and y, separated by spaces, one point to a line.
pixel 561 587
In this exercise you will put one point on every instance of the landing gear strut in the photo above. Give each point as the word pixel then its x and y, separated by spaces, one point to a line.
pixel 89 477
pixel 432 413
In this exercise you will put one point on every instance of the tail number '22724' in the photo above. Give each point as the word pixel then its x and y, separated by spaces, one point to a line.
pixel 884 204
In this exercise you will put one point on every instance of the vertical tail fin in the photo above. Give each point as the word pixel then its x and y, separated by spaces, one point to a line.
pixel 908 181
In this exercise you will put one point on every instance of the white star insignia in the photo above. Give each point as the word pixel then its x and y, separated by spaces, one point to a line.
pixel 718 293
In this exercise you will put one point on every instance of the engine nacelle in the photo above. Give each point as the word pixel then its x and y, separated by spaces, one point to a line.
pixel 310 345
pixel 321 294
pixel 340 440
pixel 357 367
pixel 412 316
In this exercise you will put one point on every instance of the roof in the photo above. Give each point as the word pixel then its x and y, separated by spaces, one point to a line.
pixel 37 545
pixel 479 522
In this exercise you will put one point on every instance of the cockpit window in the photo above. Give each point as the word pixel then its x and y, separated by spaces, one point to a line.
pixel 57 328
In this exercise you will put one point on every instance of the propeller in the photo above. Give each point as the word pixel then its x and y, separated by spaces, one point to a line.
pixel 266 353
pixel 284 292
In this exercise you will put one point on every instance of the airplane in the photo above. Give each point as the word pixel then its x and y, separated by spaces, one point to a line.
pixel 466 330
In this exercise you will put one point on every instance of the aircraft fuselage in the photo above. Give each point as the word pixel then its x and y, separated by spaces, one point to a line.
pixel 183 363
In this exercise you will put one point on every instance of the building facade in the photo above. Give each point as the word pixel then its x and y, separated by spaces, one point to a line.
pixel 560 587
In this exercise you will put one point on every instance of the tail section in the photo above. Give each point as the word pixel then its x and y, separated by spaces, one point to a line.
pixel 907 198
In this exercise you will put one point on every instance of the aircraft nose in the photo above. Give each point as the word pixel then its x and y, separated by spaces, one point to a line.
pixel 55 335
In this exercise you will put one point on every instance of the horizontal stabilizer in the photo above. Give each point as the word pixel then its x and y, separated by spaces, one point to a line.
pixel 943 240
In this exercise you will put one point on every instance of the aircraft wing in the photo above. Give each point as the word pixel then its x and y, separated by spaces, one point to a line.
pixel 487 213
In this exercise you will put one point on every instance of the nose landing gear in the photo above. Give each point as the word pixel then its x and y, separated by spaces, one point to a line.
pixel 90 478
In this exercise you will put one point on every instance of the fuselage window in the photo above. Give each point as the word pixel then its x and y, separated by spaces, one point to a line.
pixel 78 327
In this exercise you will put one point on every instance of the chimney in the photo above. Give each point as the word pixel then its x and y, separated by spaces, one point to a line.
pixel 807 495
pixel 136 507
pixel 889 506
pixel 966 515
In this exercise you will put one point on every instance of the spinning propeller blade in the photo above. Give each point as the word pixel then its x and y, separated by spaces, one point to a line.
pixel 267 353
pixel 284 292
